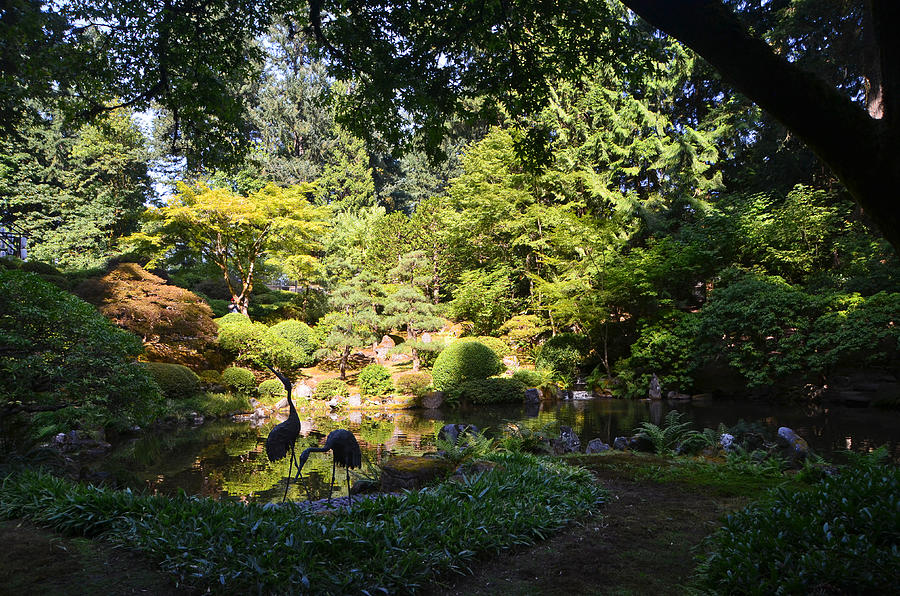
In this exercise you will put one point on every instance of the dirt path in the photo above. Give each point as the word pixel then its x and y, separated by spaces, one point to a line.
pixel 38 561
pixel 641 545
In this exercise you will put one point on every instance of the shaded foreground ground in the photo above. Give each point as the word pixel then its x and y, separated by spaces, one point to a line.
pixel 638 543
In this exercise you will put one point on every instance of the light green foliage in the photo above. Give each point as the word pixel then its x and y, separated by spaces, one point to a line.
pixel 271 390
pixel 237 233
pixel 413 383
pixel 856 330
pixel 468 446
pixel 255 343
pixel 485 298
pixel 562 354
pixel 328 388
pixel 841 533
pixel 523 332
pixel 253 548
pixel 493 390
pixel 464 361
pixel 299 334
pixel 239 379
pixel 375 380
pixel 496 344
pixel 530 378
pixel 175 381
pixel 59 350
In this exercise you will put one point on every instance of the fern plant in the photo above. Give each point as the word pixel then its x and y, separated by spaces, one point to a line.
pixel 468 446
pixel 674 433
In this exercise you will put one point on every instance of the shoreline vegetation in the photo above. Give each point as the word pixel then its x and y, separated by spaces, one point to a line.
pixel 486 529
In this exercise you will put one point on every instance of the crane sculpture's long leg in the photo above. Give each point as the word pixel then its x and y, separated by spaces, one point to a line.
pixel 299 478
pixel 349 495
pixel 287 484
pixel 331 488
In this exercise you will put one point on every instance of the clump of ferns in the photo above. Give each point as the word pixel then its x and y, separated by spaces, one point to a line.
pixel 469 445
pixel 519 438
pixel 674 436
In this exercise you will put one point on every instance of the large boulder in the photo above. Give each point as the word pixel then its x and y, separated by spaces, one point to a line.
pixel 532 396
pixel 433 400
pixel 407 472
pixel 452 432
pixel 793 446
pixel 655 391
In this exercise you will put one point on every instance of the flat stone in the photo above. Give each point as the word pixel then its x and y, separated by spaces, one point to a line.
pixel 407 472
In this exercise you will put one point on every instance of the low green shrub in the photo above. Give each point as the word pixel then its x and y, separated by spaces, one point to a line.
pixel 301 336
pixel 531 378
pixel 375 380
pixel 562 354
pixel 271 390
pixel 210 376
pixel 223 546
pixel 328 388
pixel 175 381
pixel 216 405
pixel 839 537
pixel 239 379
pixel 464 361
pixel 494 390
pixel 413 383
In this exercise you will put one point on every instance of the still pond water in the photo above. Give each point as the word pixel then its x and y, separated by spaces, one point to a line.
pixel 226 460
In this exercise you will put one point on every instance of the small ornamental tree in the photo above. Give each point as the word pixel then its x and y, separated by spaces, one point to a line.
pixel 236 232
pixel 408 307
pixel 352 323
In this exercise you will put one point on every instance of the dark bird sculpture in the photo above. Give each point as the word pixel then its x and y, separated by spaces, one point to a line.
pixel 344 450
pixel 283 437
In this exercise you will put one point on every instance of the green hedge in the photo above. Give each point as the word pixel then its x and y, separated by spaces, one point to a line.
pixel 239 379
pixel 375 380
pixel 495 390
pixel 175 381
pixel 328 388
pixel 464 361
pixel 271 390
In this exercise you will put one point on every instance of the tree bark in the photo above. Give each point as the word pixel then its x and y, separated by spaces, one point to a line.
pixel 863 152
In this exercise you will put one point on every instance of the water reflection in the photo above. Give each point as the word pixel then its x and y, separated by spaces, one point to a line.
pixel 226 460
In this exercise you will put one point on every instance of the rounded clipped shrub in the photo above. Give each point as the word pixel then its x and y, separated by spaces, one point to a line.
pixel 497 345
pixel 328 388
pixel 299 335
pixel 239 379
pixel 531 378
pixel 175 380
pixel 375 379
pixel 271 390
pixel 562 354
pixel 464 361
pixel 413 383
pixel 210 376
pixel 495 390
pixel 233 318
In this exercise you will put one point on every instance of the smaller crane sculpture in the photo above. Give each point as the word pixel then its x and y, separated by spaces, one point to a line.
pixel 344 450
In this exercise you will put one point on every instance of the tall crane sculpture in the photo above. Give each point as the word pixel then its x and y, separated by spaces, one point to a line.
pixel 344 450
pixel 284 435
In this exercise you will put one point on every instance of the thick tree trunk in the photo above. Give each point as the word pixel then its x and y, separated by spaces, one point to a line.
pixel 863 152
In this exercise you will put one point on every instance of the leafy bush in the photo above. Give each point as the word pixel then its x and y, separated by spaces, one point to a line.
pixel 375 379
pixel 666 347
pixel 530 378
pixel 300 335
pixel 241 548
pixel 175 381
pixel 59 350
pixel 239 379
pixel 495 390
pixel 522 332
pixel 413 383
pixel 256 344
pixel 271 390
pixel 328 388
pixel 40 268
pixel 497 345
pixel 215 405
pixel 839 537
pixel 562 354
pixel 463 361
pixel 210 376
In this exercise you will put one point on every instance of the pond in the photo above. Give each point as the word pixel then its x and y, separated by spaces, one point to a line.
pixel 226 460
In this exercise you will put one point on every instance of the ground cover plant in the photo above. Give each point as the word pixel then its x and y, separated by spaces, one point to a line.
pixel 839 536
pixel 390 544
